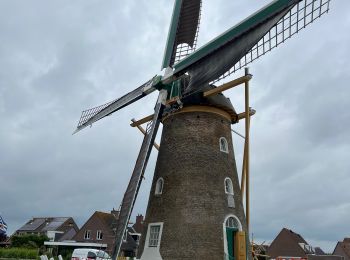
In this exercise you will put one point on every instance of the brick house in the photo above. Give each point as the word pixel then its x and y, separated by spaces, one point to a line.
pixel 343 249
pixel 56 228
pixel 289 245
pixel 139 224
pixel 100 228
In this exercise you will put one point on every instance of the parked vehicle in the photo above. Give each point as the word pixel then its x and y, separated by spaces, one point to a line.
pixel 89 254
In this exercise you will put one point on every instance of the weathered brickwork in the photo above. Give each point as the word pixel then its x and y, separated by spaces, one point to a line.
pixel 193 205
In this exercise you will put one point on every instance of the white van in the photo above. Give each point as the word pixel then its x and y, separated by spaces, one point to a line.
pixel 89 254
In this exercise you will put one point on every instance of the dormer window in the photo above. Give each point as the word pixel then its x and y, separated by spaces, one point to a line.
pixel 87 234
pixel 223 145
pixel 99 235
pixel 159 186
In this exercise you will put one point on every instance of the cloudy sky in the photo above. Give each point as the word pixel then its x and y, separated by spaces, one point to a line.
pixel 59 57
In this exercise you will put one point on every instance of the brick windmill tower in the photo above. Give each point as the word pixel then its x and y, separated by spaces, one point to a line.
pixel 195 208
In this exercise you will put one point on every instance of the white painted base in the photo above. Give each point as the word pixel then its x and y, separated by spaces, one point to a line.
pixel 151 254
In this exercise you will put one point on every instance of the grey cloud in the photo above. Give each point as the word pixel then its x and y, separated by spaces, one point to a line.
pixel 59 57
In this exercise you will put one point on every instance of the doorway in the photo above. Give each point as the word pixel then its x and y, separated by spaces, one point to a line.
pixel 232 227
pixel 230 236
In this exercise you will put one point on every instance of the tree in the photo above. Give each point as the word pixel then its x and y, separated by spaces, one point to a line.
pixel 28 241
pixel 3 237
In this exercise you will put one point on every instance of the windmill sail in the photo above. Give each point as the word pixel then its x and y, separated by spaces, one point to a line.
pixel 90 116
pixel 183 31
pixel 300 16
pixel 136 178
pixel 217 57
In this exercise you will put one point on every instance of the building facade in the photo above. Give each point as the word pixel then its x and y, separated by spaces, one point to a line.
pixel 195 208
pixel 100 229
pixel 343 249
pixel 289 245
pixel 55 228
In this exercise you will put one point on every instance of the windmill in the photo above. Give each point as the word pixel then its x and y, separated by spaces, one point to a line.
pixel 195 209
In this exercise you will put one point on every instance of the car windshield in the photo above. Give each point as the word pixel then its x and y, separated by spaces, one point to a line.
pixel 91 255
pixel 102 254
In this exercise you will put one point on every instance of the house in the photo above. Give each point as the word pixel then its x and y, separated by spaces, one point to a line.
pixel 55 228
pixel 319 251
pixel 343 249
pixel 139 224
pixel 289 245
pixel 100 228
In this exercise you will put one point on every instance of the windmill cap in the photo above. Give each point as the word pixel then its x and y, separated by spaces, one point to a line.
pixel 218 101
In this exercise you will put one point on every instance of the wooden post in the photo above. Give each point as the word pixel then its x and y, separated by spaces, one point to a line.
pixel 247 126
pixel 141 121
pixel 243 171
pixel 144 132
pixel 243 177
pixel 227 85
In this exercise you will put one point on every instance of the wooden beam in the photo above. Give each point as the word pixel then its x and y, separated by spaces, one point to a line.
pixel 144 133
pixel 243 177
pixel 247 127
pixel 243 114
pixel 228 85
pixel 141 121
pixel 243 172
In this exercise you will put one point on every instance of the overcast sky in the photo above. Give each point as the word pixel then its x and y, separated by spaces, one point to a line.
pixel 59 57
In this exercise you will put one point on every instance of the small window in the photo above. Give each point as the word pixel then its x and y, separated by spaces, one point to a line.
pixel 99 235
pixel 223 145
pixel 154 236
pixel 87 234
pixel 159 186
pixel 232 223
pixel 228 186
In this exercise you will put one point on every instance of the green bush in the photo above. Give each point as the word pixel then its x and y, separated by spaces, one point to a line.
pixel 28 241
pixel 19 253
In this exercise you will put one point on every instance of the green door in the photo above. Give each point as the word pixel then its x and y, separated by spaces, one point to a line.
pixel 230 235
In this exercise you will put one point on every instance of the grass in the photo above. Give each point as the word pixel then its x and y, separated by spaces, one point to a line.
pixel 19 253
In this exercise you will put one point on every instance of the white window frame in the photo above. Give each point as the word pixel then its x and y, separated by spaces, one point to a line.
pixel 87 234
pixel 125 236
pixel 222 148
pixel 235 220
pixel 230 191
pixel 150 225
pixel 99 235
pixel 159 186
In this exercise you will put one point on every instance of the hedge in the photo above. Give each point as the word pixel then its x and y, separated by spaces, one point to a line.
pixel 19 253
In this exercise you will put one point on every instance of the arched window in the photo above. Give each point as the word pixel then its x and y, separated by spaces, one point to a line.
pixel 232 222
pixel 228 186
pixel 159 186
pixel 223 145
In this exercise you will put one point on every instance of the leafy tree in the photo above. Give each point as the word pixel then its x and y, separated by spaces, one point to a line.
pixel 28 241
pixel 3 237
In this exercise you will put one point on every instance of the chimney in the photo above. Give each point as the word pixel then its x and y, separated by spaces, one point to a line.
pixel 139 219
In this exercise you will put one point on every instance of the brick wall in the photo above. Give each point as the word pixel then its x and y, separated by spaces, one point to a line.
pixel 193 205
